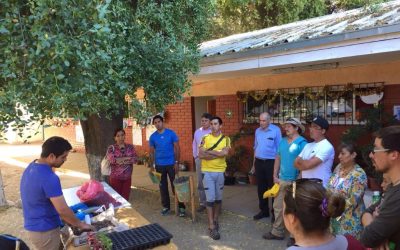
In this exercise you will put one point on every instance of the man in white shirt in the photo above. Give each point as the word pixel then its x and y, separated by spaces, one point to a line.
pixel 205 129
pixel 316 159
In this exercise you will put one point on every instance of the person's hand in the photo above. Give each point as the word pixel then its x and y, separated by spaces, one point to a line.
pixel 384 246
pixel 276 180
pixel 375 213
pixel 176 167
pixel 86 227
pixel 252 170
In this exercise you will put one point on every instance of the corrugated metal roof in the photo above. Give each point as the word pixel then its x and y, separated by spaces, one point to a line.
pixel 357 19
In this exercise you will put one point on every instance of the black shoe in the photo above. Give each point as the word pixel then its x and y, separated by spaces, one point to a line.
pixel 270 236
pixel 290 242
pixel 260 215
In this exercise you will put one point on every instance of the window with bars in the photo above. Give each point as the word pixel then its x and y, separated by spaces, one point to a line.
pixel 339 104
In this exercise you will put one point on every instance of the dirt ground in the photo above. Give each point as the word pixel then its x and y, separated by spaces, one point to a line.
pixel 237 232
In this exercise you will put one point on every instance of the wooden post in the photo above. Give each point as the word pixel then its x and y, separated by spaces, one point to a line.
pixel 3 201
pixel 191 184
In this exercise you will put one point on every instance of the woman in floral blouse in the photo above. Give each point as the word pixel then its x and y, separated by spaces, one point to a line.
pixel 349 180
pixel 122 156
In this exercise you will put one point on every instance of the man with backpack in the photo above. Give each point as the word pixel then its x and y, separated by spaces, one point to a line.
pixel 213 149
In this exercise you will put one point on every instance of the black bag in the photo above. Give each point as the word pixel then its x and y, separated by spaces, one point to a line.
pixel 9 242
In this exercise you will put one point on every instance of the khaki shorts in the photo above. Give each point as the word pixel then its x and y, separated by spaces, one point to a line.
pixel 49 240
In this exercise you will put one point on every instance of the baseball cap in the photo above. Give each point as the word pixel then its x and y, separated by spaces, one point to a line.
pixel 320 121
pixel 296 122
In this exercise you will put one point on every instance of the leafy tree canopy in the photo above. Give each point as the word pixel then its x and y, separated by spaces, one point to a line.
pixel 238 16
pixel 77 58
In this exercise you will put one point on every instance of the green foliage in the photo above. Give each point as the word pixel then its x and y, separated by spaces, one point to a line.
pixel 237 16
pixel 76 58
pixel 351 4
pixel 372 119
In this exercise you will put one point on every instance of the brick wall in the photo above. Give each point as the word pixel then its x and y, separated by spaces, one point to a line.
pixel 68 132
pixel 178 117
pixel 225 104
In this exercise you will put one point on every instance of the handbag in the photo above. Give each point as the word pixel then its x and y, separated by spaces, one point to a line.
pixel 105 165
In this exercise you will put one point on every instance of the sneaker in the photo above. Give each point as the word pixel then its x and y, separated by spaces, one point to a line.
pixel 181 212
pixel 290 242
pixel 214 234
pixel 201 209
pixel 164 211
pixel 260 215
pixel 270 236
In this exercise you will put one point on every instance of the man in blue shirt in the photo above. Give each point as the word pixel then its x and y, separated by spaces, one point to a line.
pixel 285 172
pixel 164 153
pixel 43 202
pixel 266 141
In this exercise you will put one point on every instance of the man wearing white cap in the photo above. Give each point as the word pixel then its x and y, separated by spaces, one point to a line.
pixel 316 159
pixel 285 172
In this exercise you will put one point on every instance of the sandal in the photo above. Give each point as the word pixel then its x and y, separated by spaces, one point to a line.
pixel 214 234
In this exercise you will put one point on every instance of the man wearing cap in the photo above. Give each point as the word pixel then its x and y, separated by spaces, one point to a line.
pixel 285 172
pixel 266 141
pixel 316 159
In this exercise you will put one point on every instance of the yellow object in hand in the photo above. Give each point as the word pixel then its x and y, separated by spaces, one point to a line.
pixel 272 192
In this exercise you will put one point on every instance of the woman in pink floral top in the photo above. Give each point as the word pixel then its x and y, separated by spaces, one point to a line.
pixel 122 156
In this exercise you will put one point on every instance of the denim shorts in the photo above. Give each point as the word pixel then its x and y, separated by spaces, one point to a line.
pixel 213 183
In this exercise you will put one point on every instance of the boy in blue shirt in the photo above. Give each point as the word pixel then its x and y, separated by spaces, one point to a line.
pixel 164 152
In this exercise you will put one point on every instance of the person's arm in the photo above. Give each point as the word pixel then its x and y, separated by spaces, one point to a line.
pixel 110 155
pixel 152 160
pixel 277 164
pixel 177 154
pixel 132 158
pixel 384 225
pixel 195 147
pixel 302 164
pixel 67 215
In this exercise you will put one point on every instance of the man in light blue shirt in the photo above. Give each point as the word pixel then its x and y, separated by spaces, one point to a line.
pixel 266 142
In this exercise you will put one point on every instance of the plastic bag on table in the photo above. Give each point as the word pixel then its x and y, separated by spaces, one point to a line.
pixel 89 190
pixel 102 198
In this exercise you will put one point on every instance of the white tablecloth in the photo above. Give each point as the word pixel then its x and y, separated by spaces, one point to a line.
pixel 71 198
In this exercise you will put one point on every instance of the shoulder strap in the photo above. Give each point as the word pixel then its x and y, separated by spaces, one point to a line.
pixel 216 144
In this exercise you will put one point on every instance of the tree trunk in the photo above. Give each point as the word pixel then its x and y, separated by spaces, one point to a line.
pixel 3 201
pixel 99 134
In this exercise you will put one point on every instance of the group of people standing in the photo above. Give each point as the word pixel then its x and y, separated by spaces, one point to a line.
pixel 320 208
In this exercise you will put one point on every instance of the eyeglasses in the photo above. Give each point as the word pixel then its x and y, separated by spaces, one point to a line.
pixel 376 150
pixel 303 180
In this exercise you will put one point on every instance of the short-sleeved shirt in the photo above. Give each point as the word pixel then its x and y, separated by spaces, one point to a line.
pixel 38 184
pixel 337 243
pixel 163 144
pixel 218 164
pixel 326 153
pixel 288 152
pixel 266 142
